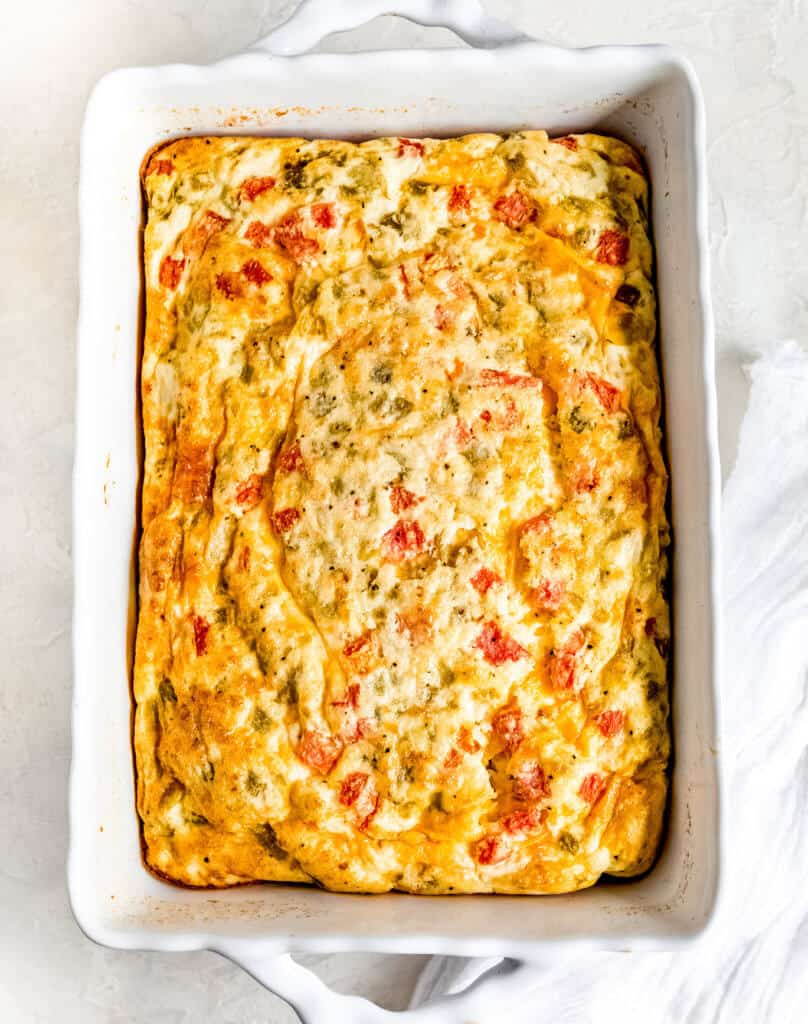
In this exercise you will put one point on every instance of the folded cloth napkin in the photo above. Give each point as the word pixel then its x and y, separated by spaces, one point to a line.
pixel 752 966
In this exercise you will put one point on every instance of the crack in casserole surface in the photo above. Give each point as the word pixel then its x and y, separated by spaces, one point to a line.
pixel 402 621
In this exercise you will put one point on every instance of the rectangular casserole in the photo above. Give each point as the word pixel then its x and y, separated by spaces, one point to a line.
pixel 401 620
pixel 646 95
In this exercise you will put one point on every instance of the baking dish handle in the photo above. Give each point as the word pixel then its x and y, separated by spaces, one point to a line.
pixel 316 1003
pixel 315 19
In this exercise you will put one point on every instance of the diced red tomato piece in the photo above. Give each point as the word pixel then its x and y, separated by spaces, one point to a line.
pixel 452 760
pixel 507 725
pixel 531 783
pixel 358 790
pixel 255 272
pixel 568 141
pixel 466 741
pixel 485 416
pixel 162 167
pixel 610 723
pixel 607 394
pixel 171 272
pixel 362 651
pixel 352 786
pixel 522 820
pixel 484 579
pixel 613 247
pixel 285 519
pixel 248 492
pixel 548 595
pixel 358 730
pixel 515 210
pixel 409 147
pixel 214 222
pixel 251 188
pixel 537 524
pixel 229 284
pixel 491 849
pixel 351 698
pixel 501 378
pixel 291 458
pixel 319 750
pixel 562 670
pixel 259 235
pixel 460 199
pixel 289 236
pixel 563 663
pixel 357 644
pixel 593 787
pixel 201 629
pixel 323 215
pixel 404 540
pixel 498 647
pixel 401 499
pixel 443 319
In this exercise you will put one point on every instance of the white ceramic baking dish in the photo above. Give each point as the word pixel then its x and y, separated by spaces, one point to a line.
pixel 646 94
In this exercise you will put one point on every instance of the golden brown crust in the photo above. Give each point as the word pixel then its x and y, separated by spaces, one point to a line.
pixel 402 621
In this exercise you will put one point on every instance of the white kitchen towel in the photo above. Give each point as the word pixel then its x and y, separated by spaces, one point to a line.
pixel 752 967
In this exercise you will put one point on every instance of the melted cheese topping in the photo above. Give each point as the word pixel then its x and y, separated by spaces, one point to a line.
pixel 402 621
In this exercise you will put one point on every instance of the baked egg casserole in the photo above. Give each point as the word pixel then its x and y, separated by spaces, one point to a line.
pixel 402 615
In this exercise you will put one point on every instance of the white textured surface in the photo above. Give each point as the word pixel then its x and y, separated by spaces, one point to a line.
pixel 750 55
